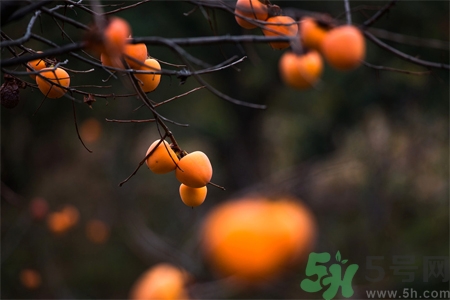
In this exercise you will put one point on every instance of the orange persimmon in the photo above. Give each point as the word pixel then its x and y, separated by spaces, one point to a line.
pixel 163 281
pixel 311 34
pixel 344 47
pixel 149 82
pixel 58 76
pixel 193 196
pixel 163 159
pixel 135 55
pixel 300 71
pixel 252 9
pixel 254 239
pixel 194 170
pixel 36 65
pixel 280 26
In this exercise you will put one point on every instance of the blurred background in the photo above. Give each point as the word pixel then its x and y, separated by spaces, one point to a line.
pixel 367 152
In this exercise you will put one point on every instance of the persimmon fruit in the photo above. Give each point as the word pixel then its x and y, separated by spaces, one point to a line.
pixel 137 55
pixel 134 54
pixel 344 47
pixel 252 9
pixel 280 26
pixel 300 71
pixel 311 34
pixel 255 239
pixel 193 196
pixel 163 159
pixel 149 82
pixel 36 65
pixel 57 76
pixel 115 36
pixel 194 170
pixel 163 281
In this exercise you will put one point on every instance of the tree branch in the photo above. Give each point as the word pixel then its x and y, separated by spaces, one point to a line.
pixel 378 14
pixel 405 56
pixel 22 11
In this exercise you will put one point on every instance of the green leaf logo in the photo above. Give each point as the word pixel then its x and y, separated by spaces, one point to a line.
pixel 338 256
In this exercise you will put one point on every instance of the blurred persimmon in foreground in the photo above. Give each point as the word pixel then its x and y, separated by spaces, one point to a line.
pixel 254 238
pixel 163 281
pixel 30 278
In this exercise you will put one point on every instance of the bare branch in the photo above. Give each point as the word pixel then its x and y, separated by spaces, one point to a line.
pixel 76 127
pixel 379 14
pixel 410 40
pixel 24 11
pixel 211 40
pixel 143 161
pixel 125 7
pixel 383 68
pixel 27 34
pixel 51 52
pixel 405 56
pixel 179 96
pixel 65 19
pixel 130 121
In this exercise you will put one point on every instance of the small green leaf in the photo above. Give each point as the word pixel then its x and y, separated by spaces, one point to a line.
pixel 344 261
pixel 338 256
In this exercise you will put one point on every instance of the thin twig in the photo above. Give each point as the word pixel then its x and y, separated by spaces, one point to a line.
pixel 216 185
pixel 130 121
pixel 405 56
pixel 142 162
pixel 410 40
pixel 379 14
pixel 383 68
pixel 125 7
pixel 179 96
pixel 76 127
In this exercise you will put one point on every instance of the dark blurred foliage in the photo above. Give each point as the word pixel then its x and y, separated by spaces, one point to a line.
pixel 367 151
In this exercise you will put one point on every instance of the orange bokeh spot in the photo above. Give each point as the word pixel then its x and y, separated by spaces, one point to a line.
pixel 60 221
pixel 163 281
pixel 31 279
pixel 97 231
pixel 90 130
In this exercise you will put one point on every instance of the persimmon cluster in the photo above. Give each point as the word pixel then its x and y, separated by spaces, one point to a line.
pixel 52 82
pixel 193 170
pixel 343 47
pixel 116 51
